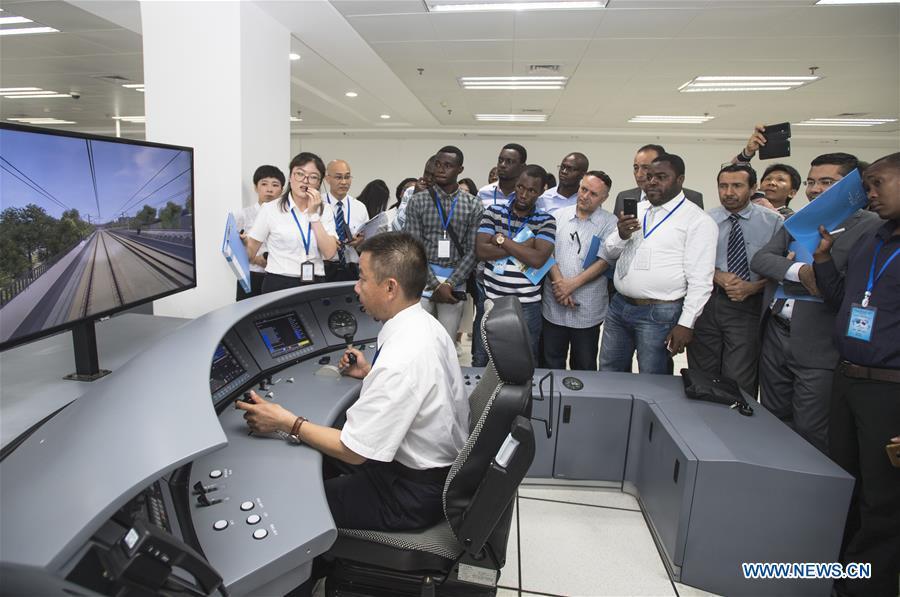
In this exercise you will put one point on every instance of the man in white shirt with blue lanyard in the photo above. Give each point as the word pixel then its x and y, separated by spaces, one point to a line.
pixel 565 194
pixel 575 296
pixel 664 274
pixel 349 216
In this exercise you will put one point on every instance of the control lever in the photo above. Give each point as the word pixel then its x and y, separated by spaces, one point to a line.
pixel 348 338
pixel 204 501
pixel 201 489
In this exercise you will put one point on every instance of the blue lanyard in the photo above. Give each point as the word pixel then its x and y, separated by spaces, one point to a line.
pixel 446 223
pixel 377 352
pixel 509 198
pixel 306 239
pixel 658 224
pixel 509 223
pixel 873 279
pixel 336 220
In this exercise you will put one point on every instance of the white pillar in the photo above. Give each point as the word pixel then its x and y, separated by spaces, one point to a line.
pixel 217 78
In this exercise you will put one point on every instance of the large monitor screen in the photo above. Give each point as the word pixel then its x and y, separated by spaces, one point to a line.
pixel 89 226
pixel 282 334
pixel 225 369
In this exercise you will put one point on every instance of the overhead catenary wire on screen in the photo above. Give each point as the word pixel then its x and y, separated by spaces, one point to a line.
pixel 150 194
pixel 90 152
pixel 31 183
pixel 123 207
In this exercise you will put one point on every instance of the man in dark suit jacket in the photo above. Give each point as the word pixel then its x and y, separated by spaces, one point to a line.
pixel 642 160
pixel 798 354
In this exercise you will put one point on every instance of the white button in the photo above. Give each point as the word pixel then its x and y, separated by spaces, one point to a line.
pixel 215 474
pixel 248 505
pixel 220 525
pixel 260 534
pixel 253 519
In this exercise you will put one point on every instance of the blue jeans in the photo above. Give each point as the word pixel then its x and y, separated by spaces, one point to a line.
pixel 628 327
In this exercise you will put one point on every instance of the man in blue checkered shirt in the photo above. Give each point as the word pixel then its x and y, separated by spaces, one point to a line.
pixel 445 218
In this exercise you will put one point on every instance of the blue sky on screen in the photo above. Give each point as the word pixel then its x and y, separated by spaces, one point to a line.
pixel 128 176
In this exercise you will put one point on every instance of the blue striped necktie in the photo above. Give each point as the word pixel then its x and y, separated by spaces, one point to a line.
pixel 339 219
pixel 737 252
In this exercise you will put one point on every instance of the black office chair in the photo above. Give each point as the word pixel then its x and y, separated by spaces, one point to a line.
pixel 462 554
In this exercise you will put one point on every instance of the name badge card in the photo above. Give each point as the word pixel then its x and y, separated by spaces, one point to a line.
pixel 642 258
pixel 862 321
pixel 307 272
pixel 444 248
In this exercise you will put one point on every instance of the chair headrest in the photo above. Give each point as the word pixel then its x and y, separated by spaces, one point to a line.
pixel 507 340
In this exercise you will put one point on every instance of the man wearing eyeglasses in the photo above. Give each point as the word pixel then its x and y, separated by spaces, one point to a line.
pixel 575 299
pixel 565 194
pixel 798 357
pixel 349 216
pixel 642 160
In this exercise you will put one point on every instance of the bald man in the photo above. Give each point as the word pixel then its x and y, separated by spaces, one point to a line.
pixel 349 216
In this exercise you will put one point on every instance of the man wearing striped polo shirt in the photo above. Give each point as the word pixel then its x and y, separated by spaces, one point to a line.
pixel 516 236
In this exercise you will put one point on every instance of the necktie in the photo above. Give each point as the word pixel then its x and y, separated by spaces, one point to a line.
pixel 737 252
pixel 339 220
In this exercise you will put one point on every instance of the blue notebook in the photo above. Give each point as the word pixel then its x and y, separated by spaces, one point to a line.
pixel 235 253
pixel 829 209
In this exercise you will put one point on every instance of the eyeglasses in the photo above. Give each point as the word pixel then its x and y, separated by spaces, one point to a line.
pixel 341 177
pixel 301 175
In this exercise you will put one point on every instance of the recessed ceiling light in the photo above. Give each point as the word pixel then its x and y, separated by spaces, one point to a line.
pixel 41 120
pixel 385 116
pixel 27 30
pixel 824 2
pixel 456 6
pixel 351 94
pixel 133 85
pixel 645 119
pixel 846 121
pixel 511 117
pixel 294 56
pixel 536 83
pixel 15 89
pixel 746 83
pixel 14 20
pixel 135 119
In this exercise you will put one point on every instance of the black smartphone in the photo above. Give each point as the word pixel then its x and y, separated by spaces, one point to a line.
pixel 629 207
pixel 778 141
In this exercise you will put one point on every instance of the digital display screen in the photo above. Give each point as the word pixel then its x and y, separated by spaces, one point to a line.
pixel 283 334
pixel 225 369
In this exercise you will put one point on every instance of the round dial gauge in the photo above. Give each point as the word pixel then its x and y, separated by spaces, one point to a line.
pixel 342 323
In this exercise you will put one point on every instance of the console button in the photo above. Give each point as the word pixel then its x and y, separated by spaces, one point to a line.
pixel 220 525
pixel 248 505
pixel 215 474
pixel 260 534
pixel 253 519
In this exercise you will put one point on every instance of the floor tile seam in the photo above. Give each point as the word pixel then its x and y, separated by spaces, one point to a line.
pixel 524 592
pixel 537 499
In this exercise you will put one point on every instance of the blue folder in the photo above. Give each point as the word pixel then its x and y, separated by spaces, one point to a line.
pixel 235 253
pixel 829 209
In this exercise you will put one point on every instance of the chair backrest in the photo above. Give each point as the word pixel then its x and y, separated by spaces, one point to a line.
pixel 500 403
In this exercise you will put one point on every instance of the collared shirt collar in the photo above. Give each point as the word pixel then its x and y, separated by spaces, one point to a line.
pixel 395 323
pixel 722 215
pixel 886 231
pixel 671 203
pixel 595 217
pixel 444 195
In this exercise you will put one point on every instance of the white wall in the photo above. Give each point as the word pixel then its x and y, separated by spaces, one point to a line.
pixel 393 159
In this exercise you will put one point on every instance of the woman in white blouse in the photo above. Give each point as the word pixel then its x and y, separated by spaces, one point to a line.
pixel 298 229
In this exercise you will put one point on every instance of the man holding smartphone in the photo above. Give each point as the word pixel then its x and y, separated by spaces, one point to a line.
pixel 865 409
pixel 664 274
pixel 642 160
pixel 445 219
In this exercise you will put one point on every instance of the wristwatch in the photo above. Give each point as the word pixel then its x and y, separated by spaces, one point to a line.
pixel 499 239
pixel 294 435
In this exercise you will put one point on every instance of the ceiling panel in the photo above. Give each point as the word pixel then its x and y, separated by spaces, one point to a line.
pixel 404 27
pixel 631 48
pixel 560 24
pixel 350 8
pixel 490 25
pixel 644 23
pixel 60 15
pixel 481 50
pixel 47 45
pixel 551 51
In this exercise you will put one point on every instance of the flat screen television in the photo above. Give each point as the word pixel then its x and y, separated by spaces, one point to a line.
pixel 89 226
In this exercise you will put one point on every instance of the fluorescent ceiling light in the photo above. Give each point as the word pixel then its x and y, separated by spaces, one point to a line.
pixel 534 83
pixel 511 117
pixel 41 120
pixel 708 83
pixel 296 119
pixel 351 94
pixel 442 6
pixel 30 93
pixel 645 119
pixel 133 85
pixel 134 119
pixel 846 121
pixel 15 89
pixel 385 116
pixel 14 20
pixel 294 56
pixel 26 30
pixel 833 2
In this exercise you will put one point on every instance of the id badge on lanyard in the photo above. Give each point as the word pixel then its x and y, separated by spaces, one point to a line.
pixel 444 248
pixel 307 271
pixel 862 321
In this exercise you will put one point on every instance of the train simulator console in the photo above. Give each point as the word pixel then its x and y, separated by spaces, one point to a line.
pixel 151 479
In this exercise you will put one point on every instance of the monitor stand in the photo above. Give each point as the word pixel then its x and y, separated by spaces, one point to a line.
pixel 87 361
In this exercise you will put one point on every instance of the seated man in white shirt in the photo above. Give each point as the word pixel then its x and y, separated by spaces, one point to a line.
pixel 664 274
pixel 411 419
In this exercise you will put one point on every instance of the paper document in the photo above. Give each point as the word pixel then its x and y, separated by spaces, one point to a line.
pixel 378 224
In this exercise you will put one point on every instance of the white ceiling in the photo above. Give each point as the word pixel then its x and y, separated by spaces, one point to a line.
pixel 627 59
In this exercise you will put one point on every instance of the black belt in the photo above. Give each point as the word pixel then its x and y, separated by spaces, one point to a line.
pixel 428 475
pixel 873 373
